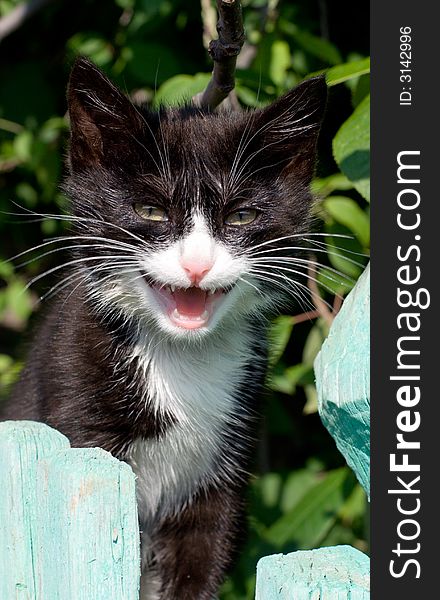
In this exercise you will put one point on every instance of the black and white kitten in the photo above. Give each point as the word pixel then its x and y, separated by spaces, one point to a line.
pixel 155 346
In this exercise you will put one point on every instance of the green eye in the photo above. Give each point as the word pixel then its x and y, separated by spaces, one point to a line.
pixel 150 213
pixel 241 217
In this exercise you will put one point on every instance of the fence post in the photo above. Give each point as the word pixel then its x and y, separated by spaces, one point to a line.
pixel 68 519
pixel 342 370
pixel 22 444
pixel 338 573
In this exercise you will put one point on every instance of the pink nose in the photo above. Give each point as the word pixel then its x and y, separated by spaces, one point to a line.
pixel 196 269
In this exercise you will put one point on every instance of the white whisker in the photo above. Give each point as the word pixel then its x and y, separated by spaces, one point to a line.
pixel 297 286
pixel 289 260
pixel 71 247
pixel 69 263
pixel 85 220
pixel 303 249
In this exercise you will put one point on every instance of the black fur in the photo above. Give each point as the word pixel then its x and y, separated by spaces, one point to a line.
pixel 76 377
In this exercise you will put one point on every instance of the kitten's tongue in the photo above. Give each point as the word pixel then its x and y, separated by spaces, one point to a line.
pixel 191 308
pixel 190 302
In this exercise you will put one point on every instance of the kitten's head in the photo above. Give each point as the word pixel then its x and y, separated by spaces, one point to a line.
pixel 183 212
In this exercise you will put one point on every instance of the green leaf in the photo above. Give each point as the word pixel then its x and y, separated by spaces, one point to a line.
pixel 287 380
pixel 351 148
pixel 269 487
pixel 18 299
pixel 347 212
pixel 355 505
pixel 279 335
pixel 9 372
pixel 50 131
pixel 280 62
pixel 326 185
pixel 249 97
pixel 314 45
pixel 361 90
pixel 181 88
pixel 337 247
pixel 6 269
pixel 23 143
pixel 314 341
pixel 154 7
pixel 336 283
pixel 49 226
pixel 92 45
pixel 311 405
pixel 347 71
pixel 297 484
pixel 6 363
pixel 25 192
pixel 314 514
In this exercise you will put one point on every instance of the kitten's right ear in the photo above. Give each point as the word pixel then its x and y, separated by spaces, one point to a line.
pixel 102 118
pixel 286 132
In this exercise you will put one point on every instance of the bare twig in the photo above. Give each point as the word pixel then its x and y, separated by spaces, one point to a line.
pixel 321 306
pixel 10 126
pixel 306 316
pixel 224 52
pixel 337 303
pixel 322 309
pixel 18 16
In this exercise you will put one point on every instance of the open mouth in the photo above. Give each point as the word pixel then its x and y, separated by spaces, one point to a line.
pixel 188 308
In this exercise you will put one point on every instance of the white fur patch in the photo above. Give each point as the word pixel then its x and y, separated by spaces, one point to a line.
pixel 195 383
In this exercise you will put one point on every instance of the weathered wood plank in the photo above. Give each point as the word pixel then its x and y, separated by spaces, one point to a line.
pixel 22 444
pixel 342 370
pixel 87 534
pixel 68 519
pixel 337 573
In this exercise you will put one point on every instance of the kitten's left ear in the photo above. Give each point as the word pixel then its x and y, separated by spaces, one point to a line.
pixel 102 118
pixel 287 130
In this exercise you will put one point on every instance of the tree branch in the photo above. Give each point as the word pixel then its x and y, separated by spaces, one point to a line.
pixel 319 303
pixel 224 52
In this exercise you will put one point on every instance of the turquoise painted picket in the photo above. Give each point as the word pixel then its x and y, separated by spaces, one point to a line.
pixel 338 573
pixel 342 370
pixel 68 519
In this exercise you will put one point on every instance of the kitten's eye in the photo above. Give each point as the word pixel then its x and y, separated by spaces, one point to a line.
pixel 241 217
pixel 149 212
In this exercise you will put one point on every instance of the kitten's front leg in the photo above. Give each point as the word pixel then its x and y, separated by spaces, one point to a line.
pixel 193 550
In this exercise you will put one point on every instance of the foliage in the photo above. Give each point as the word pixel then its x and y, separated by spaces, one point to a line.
pixel 303 496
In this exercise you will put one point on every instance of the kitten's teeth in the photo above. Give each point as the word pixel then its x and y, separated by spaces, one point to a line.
pixel 172 288
pixel 211 292
pixel 202 317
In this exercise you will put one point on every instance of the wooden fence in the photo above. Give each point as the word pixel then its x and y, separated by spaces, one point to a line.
pixel 68 517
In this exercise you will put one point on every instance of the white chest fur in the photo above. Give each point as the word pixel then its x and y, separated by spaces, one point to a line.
pixel 197 385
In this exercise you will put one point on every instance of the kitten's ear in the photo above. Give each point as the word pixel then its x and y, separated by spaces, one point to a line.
pixel 287 130
pixel 101 118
